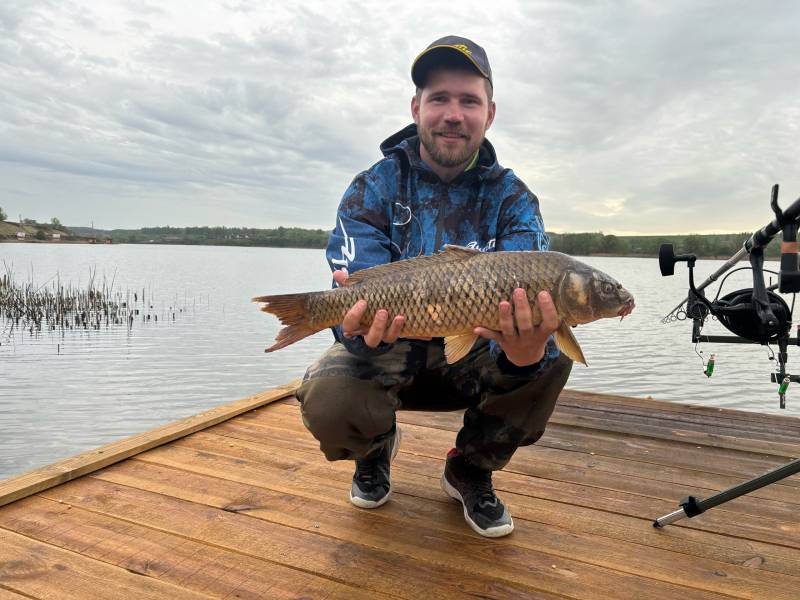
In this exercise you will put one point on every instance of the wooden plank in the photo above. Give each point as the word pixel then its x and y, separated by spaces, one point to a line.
pixel 674 462
pixel 39 570
pixel 256 488
pixel 705 438
pixel 418 526
pixel 424 485
pixel 369 568
pixel 761 527
pixel 786 449
pixel 451 547
pixel 46 477
pixel 624 475
pixel 653 406
pixel 561 435
pixel 657 451
pixel 780 502
pixel 664 452
pixel 716 416
pixel 452 421
pixel 723 416
pixel 611 502
pixel 633 417
pixel 155 554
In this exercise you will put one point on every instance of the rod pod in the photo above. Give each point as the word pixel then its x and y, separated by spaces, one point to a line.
pixel 691 506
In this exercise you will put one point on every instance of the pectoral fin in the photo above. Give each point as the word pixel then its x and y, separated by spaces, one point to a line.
pixel 457 347
pixel 567 343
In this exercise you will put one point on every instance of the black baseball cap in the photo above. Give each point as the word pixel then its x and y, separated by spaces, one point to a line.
pixel 450 50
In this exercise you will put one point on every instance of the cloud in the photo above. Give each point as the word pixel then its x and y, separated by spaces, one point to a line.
pixel 622 117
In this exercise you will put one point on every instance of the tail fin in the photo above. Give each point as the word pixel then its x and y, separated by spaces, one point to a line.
pixel 291 310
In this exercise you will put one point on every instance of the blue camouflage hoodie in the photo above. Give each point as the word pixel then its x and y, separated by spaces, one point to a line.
pixel 399 208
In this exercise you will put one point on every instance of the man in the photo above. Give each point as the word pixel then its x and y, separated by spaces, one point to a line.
pixel 438 183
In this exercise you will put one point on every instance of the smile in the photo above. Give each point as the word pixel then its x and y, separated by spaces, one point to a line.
pixel 452 135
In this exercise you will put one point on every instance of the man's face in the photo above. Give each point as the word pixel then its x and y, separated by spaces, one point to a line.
pixel 452 115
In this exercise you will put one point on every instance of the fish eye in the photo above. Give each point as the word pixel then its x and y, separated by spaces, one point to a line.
pixel 608 288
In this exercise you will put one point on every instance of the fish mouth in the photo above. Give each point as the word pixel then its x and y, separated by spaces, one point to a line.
pixel 626 309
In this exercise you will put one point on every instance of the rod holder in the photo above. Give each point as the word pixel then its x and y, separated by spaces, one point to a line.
pixel 667 259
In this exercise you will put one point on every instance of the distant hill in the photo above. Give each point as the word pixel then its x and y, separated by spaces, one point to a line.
pixel 38 232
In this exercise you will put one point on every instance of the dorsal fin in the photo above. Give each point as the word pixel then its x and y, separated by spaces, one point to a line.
pixel 450 254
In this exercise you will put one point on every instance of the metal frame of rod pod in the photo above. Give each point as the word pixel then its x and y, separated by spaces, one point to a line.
pixel 788 222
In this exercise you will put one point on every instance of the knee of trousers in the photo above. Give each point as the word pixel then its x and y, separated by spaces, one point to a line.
pixel 346 414
pixel 529 407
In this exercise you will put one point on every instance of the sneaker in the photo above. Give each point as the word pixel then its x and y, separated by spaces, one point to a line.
pixel 372 485
pixel 472 486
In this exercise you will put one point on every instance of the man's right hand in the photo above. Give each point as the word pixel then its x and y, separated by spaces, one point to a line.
pixel 381 330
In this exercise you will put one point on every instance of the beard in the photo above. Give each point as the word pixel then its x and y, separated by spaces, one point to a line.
pixel 448 157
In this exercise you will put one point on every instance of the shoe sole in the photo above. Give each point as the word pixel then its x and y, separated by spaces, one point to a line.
pixel 360 502
pixel 492 532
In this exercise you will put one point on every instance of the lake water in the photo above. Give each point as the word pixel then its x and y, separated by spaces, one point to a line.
pixel 64 394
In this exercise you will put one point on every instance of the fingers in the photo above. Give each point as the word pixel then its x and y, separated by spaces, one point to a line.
pixel 507 319
pixel 382 330
pixel 374 336
pixel 515 318
pixel 340 276
pixel 351 324
pixel 489 334
pixel 522 311
pixel 550 320
pixel 394 330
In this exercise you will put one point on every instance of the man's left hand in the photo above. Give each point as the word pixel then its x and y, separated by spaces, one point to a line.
pixel 522 341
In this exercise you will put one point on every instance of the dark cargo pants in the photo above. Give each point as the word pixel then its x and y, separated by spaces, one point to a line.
pixel 348 402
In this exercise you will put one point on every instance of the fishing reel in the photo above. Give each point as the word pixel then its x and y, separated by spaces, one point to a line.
pixel 753 315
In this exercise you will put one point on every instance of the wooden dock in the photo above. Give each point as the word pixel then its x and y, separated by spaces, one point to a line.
pixel 239 503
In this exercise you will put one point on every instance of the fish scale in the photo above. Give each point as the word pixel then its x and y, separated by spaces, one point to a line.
pixel 432 300
pixel 449 294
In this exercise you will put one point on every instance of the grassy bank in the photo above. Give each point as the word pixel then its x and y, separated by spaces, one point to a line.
pixel 40 233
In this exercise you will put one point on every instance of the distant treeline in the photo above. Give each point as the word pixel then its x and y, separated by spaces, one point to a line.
pixel 578 244
pixel 707 246
pixel 282 237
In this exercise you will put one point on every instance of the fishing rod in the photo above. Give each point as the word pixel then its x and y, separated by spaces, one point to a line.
pixel 753 315
pixel 759 240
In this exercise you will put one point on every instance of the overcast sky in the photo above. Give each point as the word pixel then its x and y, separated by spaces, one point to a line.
pixel 623 117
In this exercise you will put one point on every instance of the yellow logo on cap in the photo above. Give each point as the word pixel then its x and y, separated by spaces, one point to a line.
pixel 463 48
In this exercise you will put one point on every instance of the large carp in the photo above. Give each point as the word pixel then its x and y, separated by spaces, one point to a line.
pixel 450 293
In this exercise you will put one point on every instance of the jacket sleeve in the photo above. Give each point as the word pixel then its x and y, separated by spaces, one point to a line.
pixel 360 239
pixel 520 227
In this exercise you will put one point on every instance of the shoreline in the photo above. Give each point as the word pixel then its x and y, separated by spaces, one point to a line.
pixel 103 243
pixel 49 242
